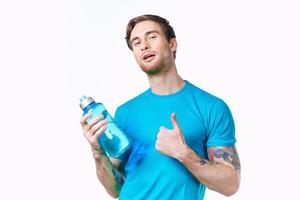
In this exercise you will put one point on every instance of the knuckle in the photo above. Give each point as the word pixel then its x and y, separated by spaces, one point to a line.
pixel 104 127
pixel 101 123
pixel 159 135
pixel 95 128
pixel 101 129
pixel 81 121
pixel 88 127
pixel 157 141
pixel 99 132
pixel 92 129
pixel 85 117
pixel 157 147
pixel 93 121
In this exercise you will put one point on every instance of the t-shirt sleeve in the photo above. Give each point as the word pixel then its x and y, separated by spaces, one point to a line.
pixel 221 129
pixel 120 122
pixel 118 119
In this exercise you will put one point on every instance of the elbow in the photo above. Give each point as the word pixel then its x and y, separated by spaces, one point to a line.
pixel 113 192
pixel 114 195
pixel 231 190
pixel 228 190
pixel 234 186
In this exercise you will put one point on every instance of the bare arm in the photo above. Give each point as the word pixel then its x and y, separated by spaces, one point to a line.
pixel 109 175
pixel 107 169
pixel 221 173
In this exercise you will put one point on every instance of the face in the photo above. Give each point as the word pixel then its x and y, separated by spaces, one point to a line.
pixel 150 47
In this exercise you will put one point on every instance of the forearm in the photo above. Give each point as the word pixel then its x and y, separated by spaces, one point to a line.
pixel 108 175
pixel 221 177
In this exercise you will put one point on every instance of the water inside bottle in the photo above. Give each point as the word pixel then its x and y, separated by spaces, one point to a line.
pixel 112 145
pixel 113 141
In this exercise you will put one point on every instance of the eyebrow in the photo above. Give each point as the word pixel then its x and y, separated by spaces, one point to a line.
pixel 147 33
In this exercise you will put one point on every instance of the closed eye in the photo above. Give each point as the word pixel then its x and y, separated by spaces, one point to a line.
pixel 136 43
pixel 153 37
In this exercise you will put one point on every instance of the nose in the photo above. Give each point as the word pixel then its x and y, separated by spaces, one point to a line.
pixel 145 45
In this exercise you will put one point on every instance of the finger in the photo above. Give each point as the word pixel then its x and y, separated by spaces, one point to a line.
pixel 174 122
pixel 100 130
pixel 156 146
pixel 157 143
pixel 177 127
pixel 84 118
pixel 98 126
pixel 94 121
pixel 162 130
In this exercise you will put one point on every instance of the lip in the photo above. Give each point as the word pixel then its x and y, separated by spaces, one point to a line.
pixel 146 54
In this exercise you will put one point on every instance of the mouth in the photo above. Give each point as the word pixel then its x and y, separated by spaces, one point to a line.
pixel 148 57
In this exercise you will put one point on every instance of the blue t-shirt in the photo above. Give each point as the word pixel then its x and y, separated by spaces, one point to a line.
pixel 205 121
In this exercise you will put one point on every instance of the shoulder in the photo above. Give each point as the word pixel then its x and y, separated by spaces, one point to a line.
pixel 204 98
pixel 208 106
pixel 124 111
pixel 133 102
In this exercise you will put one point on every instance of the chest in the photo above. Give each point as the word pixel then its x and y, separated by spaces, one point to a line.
pixel 144 123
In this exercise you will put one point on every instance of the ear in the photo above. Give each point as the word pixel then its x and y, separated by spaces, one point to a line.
pixel 173 44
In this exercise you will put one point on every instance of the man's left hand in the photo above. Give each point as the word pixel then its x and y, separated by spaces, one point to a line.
pixel 171 142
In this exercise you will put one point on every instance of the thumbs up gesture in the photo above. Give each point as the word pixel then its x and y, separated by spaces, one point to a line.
pixel 170 141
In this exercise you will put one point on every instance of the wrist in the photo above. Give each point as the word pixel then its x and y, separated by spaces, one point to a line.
pixel 98 154
pixel 183 153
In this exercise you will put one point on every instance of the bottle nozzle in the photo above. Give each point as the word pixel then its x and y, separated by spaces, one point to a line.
pixel 85 101
pixel 83 97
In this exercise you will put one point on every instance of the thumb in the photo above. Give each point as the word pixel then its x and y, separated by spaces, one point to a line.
pixel 174 122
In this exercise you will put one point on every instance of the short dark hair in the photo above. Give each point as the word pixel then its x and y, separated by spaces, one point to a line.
pixel 165 25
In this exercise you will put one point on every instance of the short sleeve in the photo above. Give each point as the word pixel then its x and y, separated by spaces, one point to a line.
pixel 118 119
pixel 221 129
pixel 120 122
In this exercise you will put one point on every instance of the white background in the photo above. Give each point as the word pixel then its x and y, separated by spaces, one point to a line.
pixel 51 52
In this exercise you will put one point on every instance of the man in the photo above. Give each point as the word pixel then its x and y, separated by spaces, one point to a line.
pixel 183 138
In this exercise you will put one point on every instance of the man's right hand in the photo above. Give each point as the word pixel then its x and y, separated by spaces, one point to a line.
pixel 92 131
pixel 107 169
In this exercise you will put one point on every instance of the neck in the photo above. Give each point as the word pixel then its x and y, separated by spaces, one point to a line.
pixel 166 82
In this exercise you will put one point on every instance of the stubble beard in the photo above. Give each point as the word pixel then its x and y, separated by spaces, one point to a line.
pixel 157 69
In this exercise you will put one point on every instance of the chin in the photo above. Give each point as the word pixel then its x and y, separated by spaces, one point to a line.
pixel 151 70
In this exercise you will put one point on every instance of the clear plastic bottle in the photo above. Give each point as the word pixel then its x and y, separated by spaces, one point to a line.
pixel 113 140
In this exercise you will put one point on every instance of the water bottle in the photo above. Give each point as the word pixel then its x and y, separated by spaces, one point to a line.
pixel 113 140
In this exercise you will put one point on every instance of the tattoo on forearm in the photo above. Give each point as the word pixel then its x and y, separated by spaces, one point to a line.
pixel 202 161
pixel 101 151
pixel 229 154
pixel 119 178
